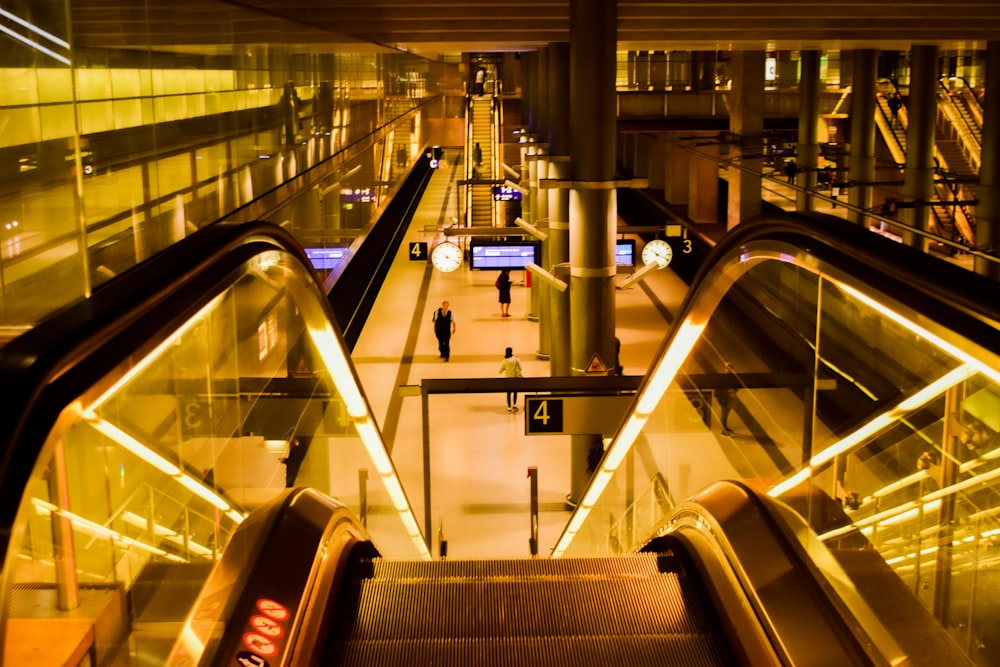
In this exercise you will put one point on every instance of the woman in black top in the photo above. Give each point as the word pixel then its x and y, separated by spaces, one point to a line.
pixel 503 284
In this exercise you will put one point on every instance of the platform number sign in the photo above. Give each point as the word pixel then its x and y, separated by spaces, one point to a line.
pixel 544 414
pixel 418 251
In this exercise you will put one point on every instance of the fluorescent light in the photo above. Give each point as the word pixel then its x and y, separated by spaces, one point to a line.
pixel 129 443
pixel 663 375
pixel 35 45
pixel 790 483
pixel 333 355
pixel 203 492
pixel 34 28
pixel 945 346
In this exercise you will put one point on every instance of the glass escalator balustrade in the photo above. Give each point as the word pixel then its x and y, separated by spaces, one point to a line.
pixel 157 464
pixel 833 388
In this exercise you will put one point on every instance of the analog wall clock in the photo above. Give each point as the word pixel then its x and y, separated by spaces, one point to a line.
pixel 446 256
pixel 658 251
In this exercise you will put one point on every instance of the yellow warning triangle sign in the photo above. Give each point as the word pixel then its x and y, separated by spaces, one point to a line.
pixel 596 366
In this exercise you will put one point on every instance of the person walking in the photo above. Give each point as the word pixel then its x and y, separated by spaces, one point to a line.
pixel 726 396
pixel 511 368
pixel 791 169
pixel 480 81
pixel 895 102
pixel 503 283
pixel 293 461
pixel 444 329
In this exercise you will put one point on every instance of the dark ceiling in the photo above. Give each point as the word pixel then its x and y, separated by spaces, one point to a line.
pixel 435 27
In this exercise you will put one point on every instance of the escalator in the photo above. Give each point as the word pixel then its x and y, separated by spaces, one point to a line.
pixel 142 465
pixel 682 600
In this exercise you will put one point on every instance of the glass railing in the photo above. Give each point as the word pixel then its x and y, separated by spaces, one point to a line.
pixel 819 361
pixel 168 412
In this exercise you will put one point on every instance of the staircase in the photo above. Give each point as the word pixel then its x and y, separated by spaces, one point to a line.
pixel 642 609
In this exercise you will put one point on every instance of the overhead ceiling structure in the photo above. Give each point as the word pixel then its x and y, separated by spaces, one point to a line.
pixel 429 27
pixel 434 27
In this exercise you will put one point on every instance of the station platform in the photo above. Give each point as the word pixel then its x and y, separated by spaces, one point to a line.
pixel 480 454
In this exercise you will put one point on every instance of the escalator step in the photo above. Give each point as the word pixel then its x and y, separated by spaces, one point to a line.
pixel 525 607
pixel 669 651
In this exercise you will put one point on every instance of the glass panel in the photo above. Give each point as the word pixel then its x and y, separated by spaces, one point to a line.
pixel 796 378
pixel 148 474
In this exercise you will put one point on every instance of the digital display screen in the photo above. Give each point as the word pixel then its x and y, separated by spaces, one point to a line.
pixel 496 255
pixel 625 252
pixel 357 195
pixel 325 258
pixel 506 193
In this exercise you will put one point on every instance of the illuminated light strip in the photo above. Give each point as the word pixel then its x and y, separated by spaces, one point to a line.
pixel 154 355
pixel 34 28
pixel 132 445
pixel 790 482
pixel 383 466
pixel 965 357
pixel 900 484
pixel 333 355
pixel 236 516
pixel 137 521
pixel 203 492
pixel 95 528
pixel 932 506
pixel 159 462
pixel 35 45
pixel 877 424
pixel 660 380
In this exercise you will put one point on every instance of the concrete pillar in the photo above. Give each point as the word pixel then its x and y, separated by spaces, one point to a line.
pixel 593 207
pixel 677 175
pixel 861 163
pixel 510 73
pixel 643 148
pixel 746 120
pixel 807 152
pixel 541 97
pixel 558 256
pixel 528 90
pixel 533 165
pixel 558 201
pixel 988 188
pixel 921 107
pixel 703 186
pixel 655 163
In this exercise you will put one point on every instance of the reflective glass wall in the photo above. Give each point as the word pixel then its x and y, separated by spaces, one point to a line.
pixel 121 135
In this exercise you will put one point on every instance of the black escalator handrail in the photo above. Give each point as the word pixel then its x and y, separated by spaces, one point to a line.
pixel 51 365
pixel 292 552
pixel 794 583
pixel 754 571
pixel 943 292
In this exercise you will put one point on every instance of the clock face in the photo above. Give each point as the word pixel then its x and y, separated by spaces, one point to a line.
pixel 446 256
pixel 658 251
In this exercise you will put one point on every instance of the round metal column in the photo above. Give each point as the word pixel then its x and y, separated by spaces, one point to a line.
pixel 988 188
pixel 861 164
pixel 918 179
pixel 807 152
pixel 593 207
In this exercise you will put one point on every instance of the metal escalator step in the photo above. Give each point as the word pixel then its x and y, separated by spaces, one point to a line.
pixel 668 651
pixel 627 565
pixel 526 608
pixel 604 611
